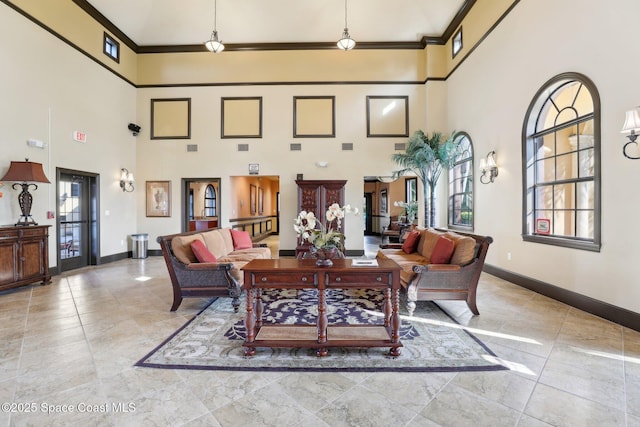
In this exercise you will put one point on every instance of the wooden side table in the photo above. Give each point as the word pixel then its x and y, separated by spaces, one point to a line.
pixel 286 273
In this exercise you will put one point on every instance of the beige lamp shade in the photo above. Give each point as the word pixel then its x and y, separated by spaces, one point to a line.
pixel 631 121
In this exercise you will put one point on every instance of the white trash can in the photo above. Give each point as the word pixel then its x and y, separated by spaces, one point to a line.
pixel 140 243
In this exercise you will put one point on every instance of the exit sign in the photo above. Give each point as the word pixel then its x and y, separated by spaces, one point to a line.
pixel 79 136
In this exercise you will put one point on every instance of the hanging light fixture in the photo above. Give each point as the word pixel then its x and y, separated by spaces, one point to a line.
pixel 346 42
pixel 213 44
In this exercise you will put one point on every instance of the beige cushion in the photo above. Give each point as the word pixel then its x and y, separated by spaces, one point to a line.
pixel 227 238
pixel 428 239
pixel 181 247
pixel 253 253
pixel 405 261
pixel 465 248
pixel 215 243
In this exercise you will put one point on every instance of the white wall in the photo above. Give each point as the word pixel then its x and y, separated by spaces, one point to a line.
pixel 48 91
pixel 216 157
pixel 488 97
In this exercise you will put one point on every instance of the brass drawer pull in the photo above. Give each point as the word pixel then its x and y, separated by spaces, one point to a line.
pixel 264 279
pixel 304 279
pixel 338 279
pixel 378 279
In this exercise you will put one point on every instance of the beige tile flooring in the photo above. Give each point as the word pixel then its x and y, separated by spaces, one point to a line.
pixel 68 348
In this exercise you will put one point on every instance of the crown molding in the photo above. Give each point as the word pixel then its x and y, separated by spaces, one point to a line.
pixel 244 47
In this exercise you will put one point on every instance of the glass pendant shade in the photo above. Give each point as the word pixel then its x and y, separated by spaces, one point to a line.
pixel 214 45
pixel 346 42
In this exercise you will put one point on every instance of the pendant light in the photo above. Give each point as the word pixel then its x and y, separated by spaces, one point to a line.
pixel 346 42
pixel 214 45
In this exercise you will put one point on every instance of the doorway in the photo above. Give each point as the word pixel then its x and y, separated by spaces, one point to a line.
pixel 368 214
pixel 77 219
pixel 200 203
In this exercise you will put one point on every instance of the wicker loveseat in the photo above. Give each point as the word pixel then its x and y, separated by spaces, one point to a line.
pixel 455 279
pixel 223 277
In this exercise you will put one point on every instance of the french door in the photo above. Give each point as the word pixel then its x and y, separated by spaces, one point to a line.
pixel 77 219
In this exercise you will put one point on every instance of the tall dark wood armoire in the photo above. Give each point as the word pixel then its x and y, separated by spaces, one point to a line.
pixel 316 196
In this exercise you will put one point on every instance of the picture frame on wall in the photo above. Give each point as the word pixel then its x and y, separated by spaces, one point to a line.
pixel 158 197
pixel 252 199
pixel 387 116
pixel 171 118
pixel 314 116
pixel 241 117
pixel 383 202
pixel 260 201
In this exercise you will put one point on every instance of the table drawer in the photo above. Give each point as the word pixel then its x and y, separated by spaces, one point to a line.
pixel 346 279
pixel 271 279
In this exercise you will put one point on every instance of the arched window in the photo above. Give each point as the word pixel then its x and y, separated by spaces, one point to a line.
pixel 561 164
pixel 460 202
pixel 210 205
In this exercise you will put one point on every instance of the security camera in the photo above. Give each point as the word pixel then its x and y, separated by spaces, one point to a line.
pixel 134 128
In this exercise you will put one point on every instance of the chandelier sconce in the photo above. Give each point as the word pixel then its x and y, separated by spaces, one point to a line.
pixel 346 42
pixel 126 180
pixel 631 126
pixel 488 168
pixel 213 44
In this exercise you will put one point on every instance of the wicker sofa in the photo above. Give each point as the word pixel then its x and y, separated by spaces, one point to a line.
pixel 223 277
pixel 456 279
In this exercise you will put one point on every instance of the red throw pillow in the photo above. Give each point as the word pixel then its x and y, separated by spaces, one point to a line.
pixel 201 252
pixel 241 239
pixel 442 251
pixel 411 242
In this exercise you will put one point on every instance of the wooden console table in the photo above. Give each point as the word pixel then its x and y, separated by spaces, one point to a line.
pixel 24 255
pixel 287 273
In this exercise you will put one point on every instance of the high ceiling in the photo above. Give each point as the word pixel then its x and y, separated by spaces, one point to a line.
pixel 190 22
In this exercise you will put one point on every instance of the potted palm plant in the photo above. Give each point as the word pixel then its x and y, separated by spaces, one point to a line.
pixel 426 157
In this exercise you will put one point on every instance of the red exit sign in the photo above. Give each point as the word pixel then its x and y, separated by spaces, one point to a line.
pixel 79 136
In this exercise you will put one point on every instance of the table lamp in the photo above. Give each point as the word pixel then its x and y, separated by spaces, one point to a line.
pixel 25 174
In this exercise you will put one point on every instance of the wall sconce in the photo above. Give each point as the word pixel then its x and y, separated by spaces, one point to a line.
pixel 126 180
pixel 631 125
pixel 488 168
pixel 24 174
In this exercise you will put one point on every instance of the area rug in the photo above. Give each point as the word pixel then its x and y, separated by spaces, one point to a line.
pixel 432 341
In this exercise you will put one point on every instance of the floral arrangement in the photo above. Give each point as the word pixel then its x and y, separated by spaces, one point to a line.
pixel 322 235
pixel 410 209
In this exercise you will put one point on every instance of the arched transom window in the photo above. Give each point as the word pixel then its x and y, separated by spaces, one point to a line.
pixel 460 203
pixel 561 146
pixel 210 205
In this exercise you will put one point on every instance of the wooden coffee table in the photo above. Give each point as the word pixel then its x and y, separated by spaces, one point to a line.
pixel 288 273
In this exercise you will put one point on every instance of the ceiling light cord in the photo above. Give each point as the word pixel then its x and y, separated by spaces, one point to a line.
pixel 213 44
pixel 346 42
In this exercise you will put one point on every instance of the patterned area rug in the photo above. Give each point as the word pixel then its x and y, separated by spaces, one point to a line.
pixel 213 339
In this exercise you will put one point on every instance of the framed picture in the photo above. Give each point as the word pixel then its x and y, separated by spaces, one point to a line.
pixel 241 117
pixel 543 226
pixel 314 116
pixel 254 168
pixel 171 118
pixel 252 197
pixel 158 198
pixel 383 202
pixel 387 116
pixel 260 201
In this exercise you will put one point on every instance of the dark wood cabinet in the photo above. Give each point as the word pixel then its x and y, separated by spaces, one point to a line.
pixel 24 256
pixel 316 196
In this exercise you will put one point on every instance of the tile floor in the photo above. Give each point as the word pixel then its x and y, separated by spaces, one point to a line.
pixel 68 349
